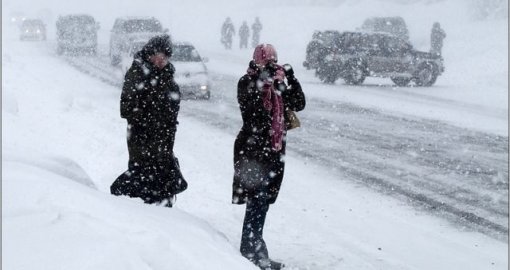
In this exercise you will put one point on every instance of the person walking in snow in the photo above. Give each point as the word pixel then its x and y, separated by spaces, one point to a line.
pixel 259 148
pixel 436 39
pixel 256 27
pixel 150 103
pixel 244 33
pixel 227 33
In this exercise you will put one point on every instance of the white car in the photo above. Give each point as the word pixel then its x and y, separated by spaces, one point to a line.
pixel 127 30
pixel 190 71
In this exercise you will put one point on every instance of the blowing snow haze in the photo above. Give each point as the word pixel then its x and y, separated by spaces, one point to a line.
pixel 382 174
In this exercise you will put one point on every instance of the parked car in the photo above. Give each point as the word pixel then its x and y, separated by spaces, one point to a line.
pixel 392 25
pixel 32 29
pixel 17 18
pixel 360 55
pixel 77 34
pixel 321 43
pixel 190 71
pixel 126 30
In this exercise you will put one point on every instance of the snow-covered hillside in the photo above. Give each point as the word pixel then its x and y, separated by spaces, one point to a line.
pixel 63 143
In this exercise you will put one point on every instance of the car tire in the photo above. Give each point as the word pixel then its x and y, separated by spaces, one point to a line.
pixel 207 96
pixel 426 75
pixel 60 50
pixel 326 75
pixel 401 81
pixel 355 74
pixel 115 59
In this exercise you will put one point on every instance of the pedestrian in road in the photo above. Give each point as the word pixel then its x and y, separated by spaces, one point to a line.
pixel 150 103
pixel 264 100
pixel 227 33
pixel 256 27
pixel 244 33
pixel 436 39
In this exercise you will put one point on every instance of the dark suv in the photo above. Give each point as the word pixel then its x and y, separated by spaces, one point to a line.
pixel 77 34
pixel 128 30
pixel 357 55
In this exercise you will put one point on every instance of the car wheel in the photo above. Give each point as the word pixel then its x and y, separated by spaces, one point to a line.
pixel 401 81
pixel 355 74
pixel 207 96
pixel 60 50
pixel 426 75
pixel 326 75
pixel 115 60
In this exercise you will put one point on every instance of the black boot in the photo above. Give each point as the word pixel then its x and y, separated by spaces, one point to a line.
pixel 268 264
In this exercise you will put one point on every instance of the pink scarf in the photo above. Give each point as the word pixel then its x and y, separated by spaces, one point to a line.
pixel 273 102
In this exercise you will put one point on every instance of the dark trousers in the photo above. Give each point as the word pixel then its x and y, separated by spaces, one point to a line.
pixel 253 246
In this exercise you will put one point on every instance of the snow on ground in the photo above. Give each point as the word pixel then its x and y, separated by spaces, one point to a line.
pixel 64 143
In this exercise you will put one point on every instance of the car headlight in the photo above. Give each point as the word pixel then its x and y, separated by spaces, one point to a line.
pixel 203 87
pixel 38 31
pixel 26 31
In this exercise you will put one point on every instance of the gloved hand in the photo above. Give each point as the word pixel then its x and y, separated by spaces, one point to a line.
pixel 279 85
pixel 271 69
pixel 289 72
pixel 253 68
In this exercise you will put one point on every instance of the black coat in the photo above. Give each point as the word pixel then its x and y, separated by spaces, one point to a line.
pixel 258 170
pixel 150 103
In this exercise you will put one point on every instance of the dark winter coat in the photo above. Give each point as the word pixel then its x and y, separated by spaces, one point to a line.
pixel 436 38
pixel 259 169
pixel 244 31
pixel 150 103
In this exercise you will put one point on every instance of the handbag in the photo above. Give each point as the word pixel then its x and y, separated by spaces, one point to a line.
pixel 291 120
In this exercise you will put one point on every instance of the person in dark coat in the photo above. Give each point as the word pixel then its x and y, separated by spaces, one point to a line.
pixel 437 36
pixel 227 33
pixel 244 33
pixel 259 148
pixel 150 103
pixel 256 27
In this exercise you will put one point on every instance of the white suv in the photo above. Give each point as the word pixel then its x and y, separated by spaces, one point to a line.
pixel 126 30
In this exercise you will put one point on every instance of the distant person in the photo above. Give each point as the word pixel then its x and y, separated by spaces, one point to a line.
pixel 244 33
pixel 150 103
pixel 227 33
pixel 259 148
pixel 436 39
pixel 256 27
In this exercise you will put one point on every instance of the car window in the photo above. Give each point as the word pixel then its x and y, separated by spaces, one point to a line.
pixel 32 23
pixel 76 24
pixel 133 26
pixel 396 46
pixel 185 54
